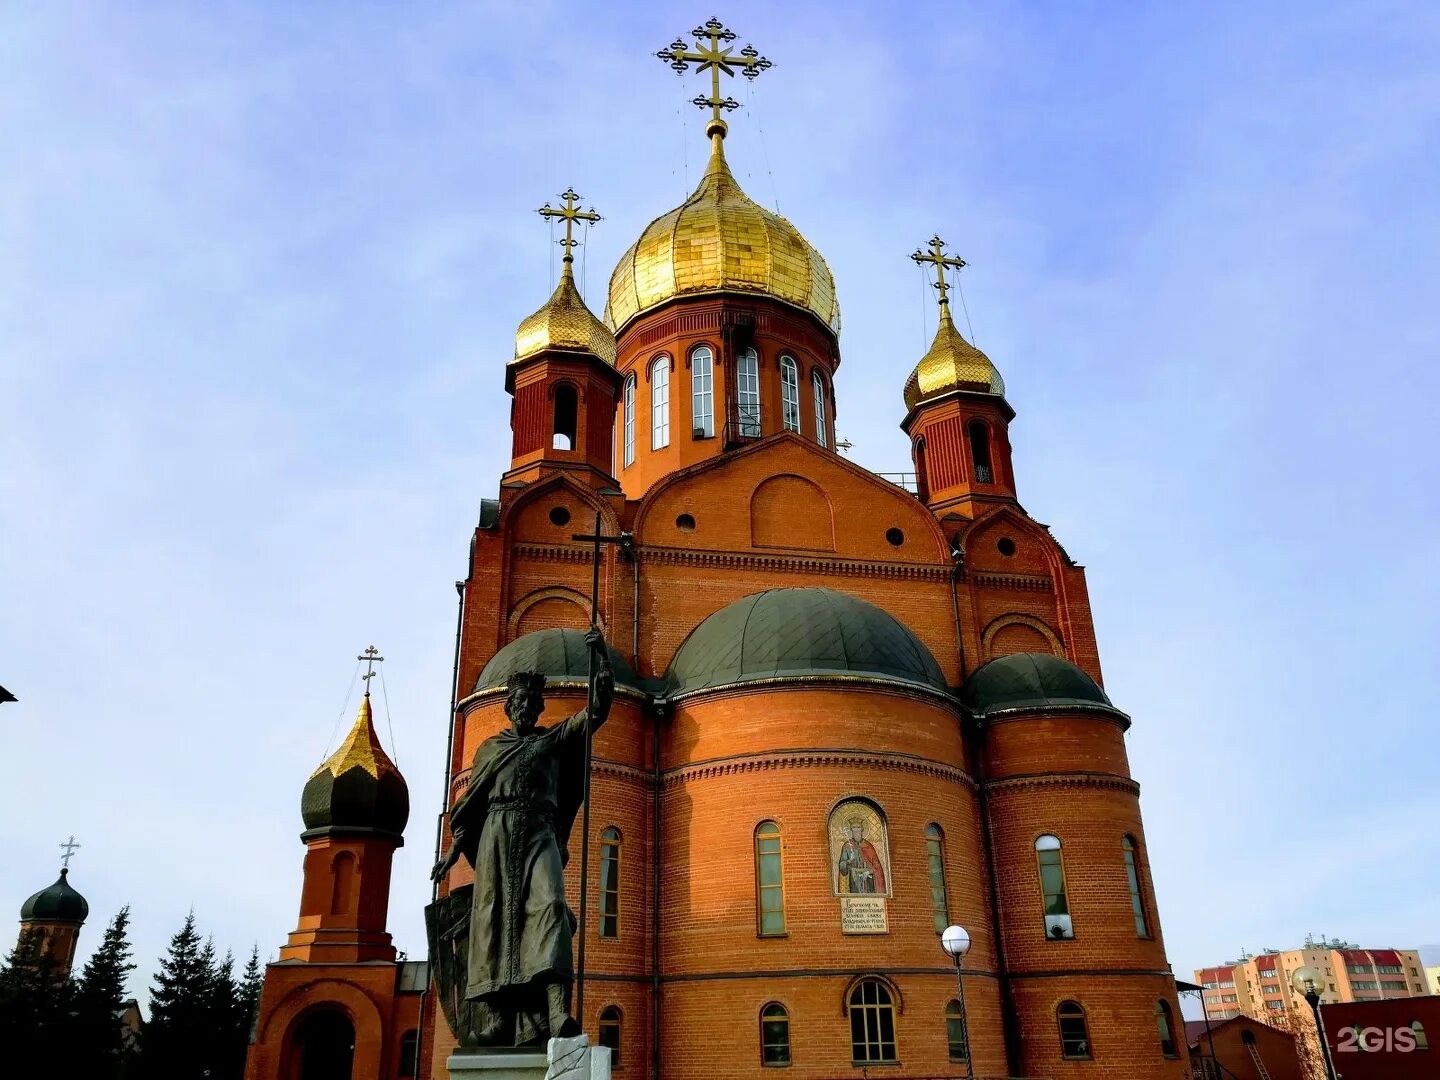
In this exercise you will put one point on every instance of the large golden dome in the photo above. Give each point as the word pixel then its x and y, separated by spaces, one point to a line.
pixel 564 323
pixel 951 364
pixel 718 241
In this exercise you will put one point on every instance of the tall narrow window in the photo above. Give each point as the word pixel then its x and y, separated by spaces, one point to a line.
pixel 872 1023
pixel 610 1033
pixel 774 1035
pixel 769 881
pixel 1074 1032
pixel 790 393
pixel 702 393
pixel 566 413
pixel 1132 875
pixel 747 393
pixel 1165 1027
pixel 660 403
pixel 1052 888
pixel 980 451
pixel 409 1052
pixel 955 1032
pixel 343 889
pixel 629 448
pixel 818 382
pixel 935 857
pixel 610 882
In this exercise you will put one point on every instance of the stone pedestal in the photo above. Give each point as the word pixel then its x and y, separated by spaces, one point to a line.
pixel 564 1059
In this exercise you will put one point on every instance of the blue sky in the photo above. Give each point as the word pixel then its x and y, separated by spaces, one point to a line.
pixel 260 268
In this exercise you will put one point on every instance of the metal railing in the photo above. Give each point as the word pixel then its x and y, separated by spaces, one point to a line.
pixel 742 424
pixel 904 480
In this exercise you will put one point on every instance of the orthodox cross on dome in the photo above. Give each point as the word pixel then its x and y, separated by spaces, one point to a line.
pixel 940 261
pixel 69 847
pixel 371 657
pixel 713 53
pixel 571 215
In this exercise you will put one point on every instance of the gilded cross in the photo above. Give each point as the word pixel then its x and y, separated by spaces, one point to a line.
pixel 940 261
pixel 69 847
pixel 571 215
pixel 371 657
pixel 713 53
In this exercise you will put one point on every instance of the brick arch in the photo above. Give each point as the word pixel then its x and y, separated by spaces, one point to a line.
pixel 1018 632
pixel 790 511
pixel 555 606
pixel 896 997
pixel 280 1026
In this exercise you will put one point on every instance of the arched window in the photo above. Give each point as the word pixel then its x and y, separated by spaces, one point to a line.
pixel 1132 875
pixel 343 889
pixel 1074 1032
pixel 702 393
pixel 774 1035
pixel 980 451
pixel 872 1023
pixel 610 882
pixel 629 447
pixel 610 1033
pixel 567 411
pixel 922 481
pixel 660 403
pixel 818 382
pixel 1052 888
pixel 1165 1027
pixel 747 393
pixel 955 1031
pixel 789 393
pixel 769 881
pixel 409 1052
pixel 1421 1041
pixel 935 858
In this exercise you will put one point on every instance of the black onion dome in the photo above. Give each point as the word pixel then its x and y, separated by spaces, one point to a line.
pixel 358 788
pixel 560 655
pixel 801 633
pixel 57 903
pixel 1033 682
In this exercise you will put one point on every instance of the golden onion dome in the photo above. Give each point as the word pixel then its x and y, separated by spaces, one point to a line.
pixel 564 323
pixel 718 241
pixel 952 363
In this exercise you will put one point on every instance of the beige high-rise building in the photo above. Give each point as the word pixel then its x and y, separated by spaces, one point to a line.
pixel 1260 986
pixel 1432 978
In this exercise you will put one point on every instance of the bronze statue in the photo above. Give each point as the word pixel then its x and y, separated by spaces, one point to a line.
pixel 513 826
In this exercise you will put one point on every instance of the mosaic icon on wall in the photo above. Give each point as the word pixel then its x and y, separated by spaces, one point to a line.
pixel 859 849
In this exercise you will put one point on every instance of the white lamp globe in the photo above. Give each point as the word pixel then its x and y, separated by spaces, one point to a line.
pixel 1306 980
pixel 955 941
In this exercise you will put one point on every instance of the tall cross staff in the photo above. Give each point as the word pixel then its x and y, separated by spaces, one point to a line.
pixel 596 538
pixel 371 656
pixel 69 847
pixel 713 53
pixel 937 258
pixel 571 215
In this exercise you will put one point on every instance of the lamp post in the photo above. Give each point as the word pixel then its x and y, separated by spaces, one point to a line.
pixel 1307 982
pixel 956 942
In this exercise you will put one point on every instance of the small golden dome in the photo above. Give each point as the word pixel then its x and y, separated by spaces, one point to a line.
pixel 564 323
pixel 951 364
pixel 719 240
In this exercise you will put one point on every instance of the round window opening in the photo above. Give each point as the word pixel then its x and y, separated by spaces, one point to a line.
pixel 1006 546
pixel 559 515
pixel 685 523
pixel 895 536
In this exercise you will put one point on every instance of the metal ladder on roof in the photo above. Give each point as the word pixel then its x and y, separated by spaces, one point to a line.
pixel 1259 1064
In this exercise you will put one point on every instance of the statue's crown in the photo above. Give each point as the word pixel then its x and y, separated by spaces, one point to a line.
pixel 525 680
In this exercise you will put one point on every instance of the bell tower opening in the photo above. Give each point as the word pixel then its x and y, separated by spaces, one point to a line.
pixel 324 1046
pixel 566 415
pixel 980 451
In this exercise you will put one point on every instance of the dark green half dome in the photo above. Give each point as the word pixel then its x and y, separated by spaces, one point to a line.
pixel 1032 682
pixel 791 633
pixel 560 655
pixel 58 903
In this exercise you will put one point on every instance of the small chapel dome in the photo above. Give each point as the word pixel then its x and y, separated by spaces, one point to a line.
pixel 1032 682
pixel 566 324
pixel 798 633
pixel 561 655
pixel 57 903
pixel 951 364
pixel 720 241
pixel 358 787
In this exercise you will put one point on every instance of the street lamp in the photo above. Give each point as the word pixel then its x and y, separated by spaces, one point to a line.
pixel 956 942
pixel 1307 982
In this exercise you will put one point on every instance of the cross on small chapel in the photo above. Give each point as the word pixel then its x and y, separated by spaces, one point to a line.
pixel 371 657
pixel 69 847
pixel 940 261
pixel 571 215
pixel 713 53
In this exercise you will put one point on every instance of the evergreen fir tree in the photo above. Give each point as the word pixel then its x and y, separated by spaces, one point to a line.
pixel 35 1009
pixel 248 1000
pixel 177 1040
pixel 99 1046
pixel 227 1051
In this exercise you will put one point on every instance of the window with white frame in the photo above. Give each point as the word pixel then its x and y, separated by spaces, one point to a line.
pixel 660 403
pixel 629 448
pixel 702 393
pixel 747 393
pixel 818 382
pixel 789 393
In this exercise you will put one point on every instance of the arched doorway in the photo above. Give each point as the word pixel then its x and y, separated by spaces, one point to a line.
pixel 324 1046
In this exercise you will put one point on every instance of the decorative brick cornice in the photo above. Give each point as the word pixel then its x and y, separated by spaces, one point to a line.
pixel 795 564
pixel 553 553
pixel 1020 582
pixel 1037 781
pixel 791 759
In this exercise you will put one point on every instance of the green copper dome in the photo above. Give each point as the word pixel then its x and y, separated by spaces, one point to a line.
pixel 560 655
pixel 789 633
pixel 58 903
pixel 1026 682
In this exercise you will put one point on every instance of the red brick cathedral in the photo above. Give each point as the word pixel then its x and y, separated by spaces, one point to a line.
pixel 849 714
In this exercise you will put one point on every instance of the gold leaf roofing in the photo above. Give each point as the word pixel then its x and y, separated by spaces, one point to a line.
pixel 952 363
pixel 564 322
pixel 719 240
pixel 360 750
